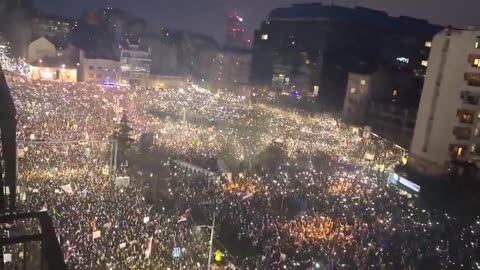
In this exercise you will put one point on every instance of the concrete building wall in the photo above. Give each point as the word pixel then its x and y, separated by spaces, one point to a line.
pixel 436 139
pixel 100 70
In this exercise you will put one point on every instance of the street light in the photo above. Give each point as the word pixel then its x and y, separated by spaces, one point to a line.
pixel 212 234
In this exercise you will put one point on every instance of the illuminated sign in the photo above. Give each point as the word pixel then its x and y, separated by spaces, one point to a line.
pixel 46 75
pixel 403 60
pixel 397 180
pixel 108 83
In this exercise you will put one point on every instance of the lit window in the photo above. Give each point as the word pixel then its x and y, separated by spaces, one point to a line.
pixel 476 62
pixel 425 63
pixel 428 44
pixel 264 36
pixel 363 82
pixel 477 45
pixel 353 90
pixel 472 148
pixel 459 151
pixel 395 92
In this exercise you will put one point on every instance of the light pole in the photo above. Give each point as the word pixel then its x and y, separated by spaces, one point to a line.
pixel 185 116
pixel 212 232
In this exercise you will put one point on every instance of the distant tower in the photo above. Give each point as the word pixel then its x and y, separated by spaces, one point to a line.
pixel 235 31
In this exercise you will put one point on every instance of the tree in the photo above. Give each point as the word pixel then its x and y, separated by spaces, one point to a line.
pixel 122 135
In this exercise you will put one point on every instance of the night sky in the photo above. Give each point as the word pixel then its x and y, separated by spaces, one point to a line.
pixel 208 16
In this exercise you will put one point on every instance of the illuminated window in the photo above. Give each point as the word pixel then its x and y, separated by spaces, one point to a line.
pixel 425 63
pixel 395 92
pixel 363 82
pixel 264 36
pixel 476 62
pixel 477 45
pixel 353 90
pixel 458 150
pixel 428 44
pixel 465 116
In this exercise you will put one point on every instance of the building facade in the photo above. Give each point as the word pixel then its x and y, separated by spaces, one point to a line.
pixel 357 99
pixel 53 73
pixel 135 63
pixel 332 41
pixel 231 67
pixel 52 26
pixel 98 70
pixel 447 129
pixel 40 48
pixel 393 123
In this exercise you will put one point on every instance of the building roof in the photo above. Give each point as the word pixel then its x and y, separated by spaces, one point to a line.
pixel 361 15
pixel 57 42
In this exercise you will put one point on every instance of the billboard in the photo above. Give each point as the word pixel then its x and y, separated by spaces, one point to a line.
pixel 402 182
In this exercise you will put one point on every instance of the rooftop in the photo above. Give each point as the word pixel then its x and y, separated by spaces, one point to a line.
pixel 361 15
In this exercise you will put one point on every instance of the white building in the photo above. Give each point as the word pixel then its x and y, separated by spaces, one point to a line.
pixel 40 48
pixel 99 70
pixel 231 66
pixel 135 63
pixel 448 120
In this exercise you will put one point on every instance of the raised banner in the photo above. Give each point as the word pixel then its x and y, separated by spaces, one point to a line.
pixel 97 234
pixel 67 188
pixel 122 181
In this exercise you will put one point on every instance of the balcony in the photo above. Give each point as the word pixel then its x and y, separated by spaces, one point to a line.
pixel 465 116
pixel 473 79
pixel 469 99
pixel 462 133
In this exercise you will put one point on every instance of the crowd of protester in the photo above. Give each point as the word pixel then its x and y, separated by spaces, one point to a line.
pixel 324 206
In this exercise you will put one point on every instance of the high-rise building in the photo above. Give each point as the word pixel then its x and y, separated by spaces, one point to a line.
pixel 135 62
pixel 230 68
pixel 235 31
pixel 447 129
pixel 52 26
pixel 332 41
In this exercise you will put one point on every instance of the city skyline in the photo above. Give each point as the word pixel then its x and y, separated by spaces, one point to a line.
pixel 205 19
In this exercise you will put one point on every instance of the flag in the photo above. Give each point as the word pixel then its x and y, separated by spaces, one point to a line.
pixel 183 217
pixel 283 257
pixel 107 225
pixel 246 195
pixel 146 219
pixel 148 251
pixel 122 245
pixel 44 208
pixel 97 234
pixel 67 188
pixel 94 225
pixel 7 257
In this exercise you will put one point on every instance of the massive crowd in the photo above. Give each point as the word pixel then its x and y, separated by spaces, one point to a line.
pixel 326 206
